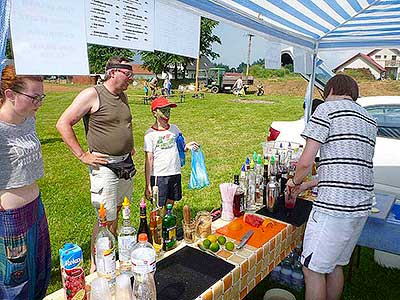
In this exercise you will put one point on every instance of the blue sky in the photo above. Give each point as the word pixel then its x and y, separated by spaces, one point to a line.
pixel 233 50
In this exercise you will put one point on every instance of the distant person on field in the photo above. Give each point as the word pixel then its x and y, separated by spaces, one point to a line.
pixel 25 256
pixel 238 87
pixel 145 88
pixel 345 134
pixel 167 86
pixel 162 162
pixel 108 126
pixel 153 86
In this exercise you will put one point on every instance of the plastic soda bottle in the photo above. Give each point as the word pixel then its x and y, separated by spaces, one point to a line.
pixel 180 143
pixel 143 266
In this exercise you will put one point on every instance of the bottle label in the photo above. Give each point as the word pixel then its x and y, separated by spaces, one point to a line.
pixel 125 245
pixel 126 213
pixel 143 260
pixel 105 257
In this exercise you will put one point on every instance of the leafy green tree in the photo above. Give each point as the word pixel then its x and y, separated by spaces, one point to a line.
pixel 98 56
pixel 226 67
pixel 207 38
pixel 260 61
pixel 241 68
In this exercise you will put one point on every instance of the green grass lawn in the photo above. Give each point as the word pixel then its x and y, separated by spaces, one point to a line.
pixel 227 131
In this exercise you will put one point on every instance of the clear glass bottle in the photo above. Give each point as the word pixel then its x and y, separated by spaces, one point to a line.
pixel 143 266
pixel 259 181
pixel 265 178
pixel 251 203
pixel 273 194
pixel 126 239
pixel 104 248
pixel 169 229
pixel 156 222
pixel 243 184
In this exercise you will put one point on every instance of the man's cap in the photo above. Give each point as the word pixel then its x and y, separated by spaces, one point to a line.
pixel 160 103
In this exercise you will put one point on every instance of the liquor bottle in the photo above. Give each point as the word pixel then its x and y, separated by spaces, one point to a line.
pixel 156 222
pixel 169 229
pixel 104 249
pixel 243 184
pixel 265 184
pixel 252 188
pixel 238 198
pixel 259 181
pixel 126 239
pixel 143 226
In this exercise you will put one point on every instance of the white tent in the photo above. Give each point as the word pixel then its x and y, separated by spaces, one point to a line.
pixel 311 24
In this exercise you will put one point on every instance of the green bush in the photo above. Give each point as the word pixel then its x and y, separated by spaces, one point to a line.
pixel 259 71
pixel 359 74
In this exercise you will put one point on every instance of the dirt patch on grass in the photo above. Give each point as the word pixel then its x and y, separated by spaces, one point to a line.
pixel 252 101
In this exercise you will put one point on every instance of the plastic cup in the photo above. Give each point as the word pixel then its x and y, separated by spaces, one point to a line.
pixel 123 287
pixel 189 231
pixel 100 289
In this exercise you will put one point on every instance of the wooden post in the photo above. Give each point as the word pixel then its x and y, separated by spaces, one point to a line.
pixel 197 72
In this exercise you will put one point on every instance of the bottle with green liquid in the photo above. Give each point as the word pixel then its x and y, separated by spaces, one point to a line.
pixel 169 229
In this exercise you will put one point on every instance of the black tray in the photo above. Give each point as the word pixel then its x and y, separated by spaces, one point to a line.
pixel 296 216
pixel 188 273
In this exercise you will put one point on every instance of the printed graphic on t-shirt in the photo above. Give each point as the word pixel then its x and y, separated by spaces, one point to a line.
pixel 166 142
pixel 25 149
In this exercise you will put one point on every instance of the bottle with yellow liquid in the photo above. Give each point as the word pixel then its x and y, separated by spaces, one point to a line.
pixel 126 239
pixel 105 250
pixel 156 222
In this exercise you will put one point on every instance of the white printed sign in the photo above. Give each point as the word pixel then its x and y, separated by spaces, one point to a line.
pixel 48 37
pixel 120 23
pixel 177 30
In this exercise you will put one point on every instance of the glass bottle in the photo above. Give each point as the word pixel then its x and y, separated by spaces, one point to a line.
pixel 143 266
pixel 169 229
pixel 104 248
pixel 252 188
pixel 238 198
pixel 259 181
pixel 156 222
pixel 143 226
pixel 243 184
pixel 265 178
pixel 273 193
pixel 126 239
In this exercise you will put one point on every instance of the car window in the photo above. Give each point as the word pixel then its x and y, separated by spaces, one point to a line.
pixel 388 119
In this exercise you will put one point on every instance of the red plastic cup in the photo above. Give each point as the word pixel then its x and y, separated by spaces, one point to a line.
pixel 290 198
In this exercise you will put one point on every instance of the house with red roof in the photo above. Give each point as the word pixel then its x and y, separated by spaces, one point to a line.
pixel 382 63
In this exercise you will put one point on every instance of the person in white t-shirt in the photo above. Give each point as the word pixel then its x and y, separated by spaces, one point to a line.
pixel 162 162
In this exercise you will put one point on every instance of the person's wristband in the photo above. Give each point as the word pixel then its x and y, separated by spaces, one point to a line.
pixel 296 184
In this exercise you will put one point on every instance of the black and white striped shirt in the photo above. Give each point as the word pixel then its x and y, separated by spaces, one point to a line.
pixel 347 134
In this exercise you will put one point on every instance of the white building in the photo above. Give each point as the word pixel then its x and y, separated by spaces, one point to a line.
pixel 383 63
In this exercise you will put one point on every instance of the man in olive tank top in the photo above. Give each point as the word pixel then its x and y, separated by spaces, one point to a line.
pixel 108 127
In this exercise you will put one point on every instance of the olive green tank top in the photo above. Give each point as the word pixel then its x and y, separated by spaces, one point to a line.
pixel 109 129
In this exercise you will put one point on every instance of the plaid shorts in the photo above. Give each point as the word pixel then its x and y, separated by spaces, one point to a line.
pixel 25 257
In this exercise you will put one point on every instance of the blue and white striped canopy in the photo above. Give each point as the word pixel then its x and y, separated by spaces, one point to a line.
pixel 323 24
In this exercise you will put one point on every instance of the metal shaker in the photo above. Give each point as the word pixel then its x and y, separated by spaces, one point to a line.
pixel 272 194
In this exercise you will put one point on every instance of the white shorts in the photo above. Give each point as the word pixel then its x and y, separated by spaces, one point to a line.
pixel 107 188
pixel 329 241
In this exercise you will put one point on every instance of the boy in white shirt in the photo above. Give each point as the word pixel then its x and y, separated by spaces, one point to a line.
pixel 162 162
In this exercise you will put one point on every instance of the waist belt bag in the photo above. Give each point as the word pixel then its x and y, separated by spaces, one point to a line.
pixel 124 169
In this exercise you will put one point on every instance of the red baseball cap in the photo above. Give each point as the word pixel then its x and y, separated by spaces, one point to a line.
pixel 160 103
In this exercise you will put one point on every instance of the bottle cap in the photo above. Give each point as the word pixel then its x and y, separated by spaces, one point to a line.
pixel 102 211
pixel 126 201
pixel 243 168
pixel 142 203
pixel 142 237
pixel 252 164
pixel 169 206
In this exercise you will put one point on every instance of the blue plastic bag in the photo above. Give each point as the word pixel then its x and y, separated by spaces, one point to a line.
pixel 180 143
pixel 198 176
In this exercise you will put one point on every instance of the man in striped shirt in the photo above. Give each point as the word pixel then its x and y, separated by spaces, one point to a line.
pixel 345 135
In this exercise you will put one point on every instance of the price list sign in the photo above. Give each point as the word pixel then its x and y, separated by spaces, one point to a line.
pixel 121 23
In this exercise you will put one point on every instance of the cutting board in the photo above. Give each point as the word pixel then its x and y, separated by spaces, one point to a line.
pixel 261 235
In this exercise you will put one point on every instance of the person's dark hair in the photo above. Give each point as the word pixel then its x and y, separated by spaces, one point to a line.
pixel 113 61
pixel 342 85
pixel 315 103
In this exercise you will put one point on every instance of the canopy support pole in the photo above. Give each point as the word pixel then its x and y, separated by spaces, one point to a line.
pixel 310 88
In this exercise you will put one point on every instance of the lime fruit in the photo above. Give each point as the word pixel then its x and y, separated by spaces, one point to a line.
pixel 229 246
pixel 206 243
pixel 221 240
pixel 212 238
pixel 214 247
